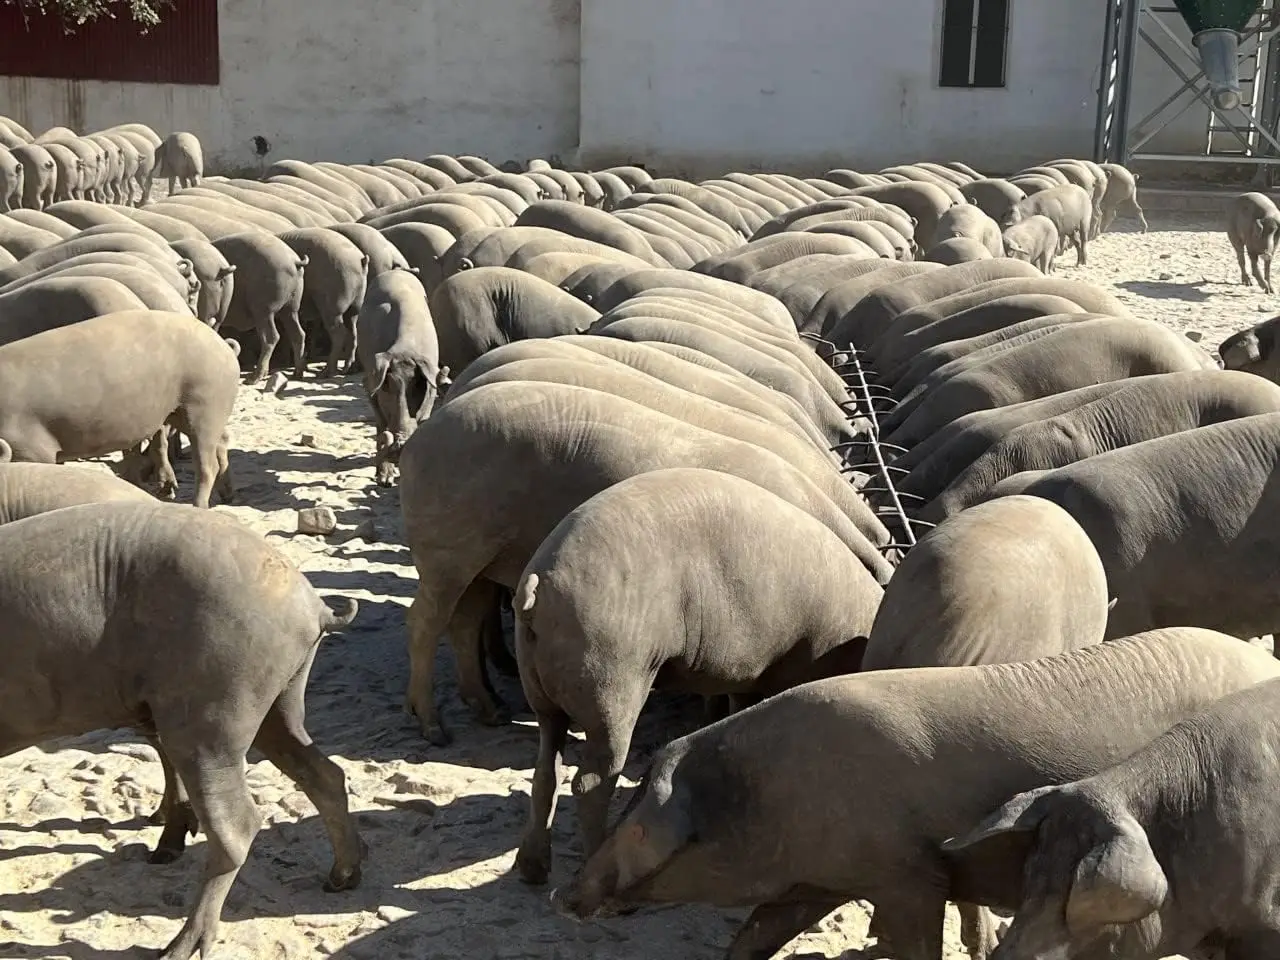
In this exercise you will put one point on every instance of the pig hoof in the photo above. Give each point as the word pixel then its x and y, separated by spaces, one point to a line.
pixel 163 855
pixel 534 869
pixel 496 716
pixel 158 817
pixel 342 879
pixel 436 735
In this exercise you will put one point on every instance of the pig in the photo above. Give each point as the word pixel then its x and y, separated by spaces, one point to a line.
pixel 1252 226
pixel 1171 851
pixel 956 250
pixel 1069 207
pixel 1034 240
pixel 180 158
pixel 539 450
pixel 76 392
pixel 267 290
pixel 39 175
pixel 969 221
pixel 333 288
pixel 755 810
pixel 400 356
pixel 59 301
pixel 27 489
pixel 186 626
pixel 480 309
pixel 595 630
pixel 12 176
pixel 1121 196
pixel 1014 579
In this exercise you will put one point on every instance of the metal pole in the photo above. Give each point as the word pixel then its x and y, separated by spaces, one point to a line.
pixel 1106 85
pixel 1129 41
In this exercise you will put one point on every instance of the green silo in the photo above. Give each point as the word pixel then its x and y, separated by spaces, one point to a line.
pixel 1215 30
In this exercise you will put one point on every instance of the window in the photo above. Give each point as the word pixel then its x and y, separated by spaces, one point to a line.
pixel 183 48
pixel 975 38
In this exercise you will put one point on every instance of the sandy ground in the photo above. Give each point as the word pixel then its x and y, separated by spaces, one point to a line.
pixel 441 824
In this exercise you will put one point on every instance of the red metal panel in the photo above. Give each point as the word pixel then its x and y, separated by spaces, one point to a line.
pixel 183 48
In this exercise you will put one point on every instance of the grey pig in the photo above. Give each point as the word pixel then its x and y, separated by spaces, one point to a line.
pixel 1253 225
pixel 189 627
pixel 1174 850
pixel 660 582
pixel 927 752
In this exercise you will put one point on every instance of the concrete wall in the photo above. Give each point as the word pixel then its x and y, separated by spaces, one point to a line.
pixel 354 82
pixel 687 86
pixel 814 83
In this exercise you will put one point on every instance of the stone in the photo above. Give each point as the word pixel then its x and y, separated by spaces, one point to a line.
pixel 1195 336
pixel 318 521
pixel 307 440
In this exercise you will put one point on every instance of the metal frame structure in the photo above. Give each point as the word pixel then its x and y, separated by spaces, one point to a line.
pixel 1246 134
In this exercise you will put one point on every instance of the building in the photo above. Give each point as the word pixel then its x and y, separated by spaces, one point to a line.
pixel 689 86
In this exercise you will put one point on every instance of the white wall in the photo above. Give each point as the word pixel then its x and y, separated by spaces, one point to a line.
pixel 688 86
pixel 353 82
pixel 711 84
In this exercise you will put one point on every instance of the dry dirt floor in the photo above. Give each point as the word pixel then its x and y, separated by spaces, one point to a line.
pixel 441 824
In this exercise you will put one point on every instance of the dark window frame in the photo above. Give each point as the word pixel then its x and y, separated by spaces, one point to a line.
pixel 182 49
pixel 974 52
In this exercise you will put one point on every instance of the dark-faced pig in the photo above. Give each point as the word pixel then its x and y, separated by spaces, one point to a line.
pixel 755 810
pixel 77 392
pixel 400 356
pixel 595 631
pixel 188 627
pixel 1175 850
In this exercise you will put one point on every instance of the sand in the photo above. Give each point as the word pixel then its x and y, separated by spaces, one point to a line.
pixel 441 824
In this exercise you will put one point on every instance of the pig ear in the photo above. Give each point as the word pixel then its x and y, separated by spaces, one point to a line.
pixel 1021 815
pixel 1119 881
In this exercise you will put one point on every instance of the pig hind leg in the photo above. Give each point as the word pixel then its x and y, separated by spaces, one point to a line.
pixel 208 450
pixel 212 767
pixel 1244 269
pixel 608 725
pixel 335 328
pixel 533 859
pixel 284 741
pixel 175 812
pixel 269 339
pixel 428 616
pixel 1130 206
pixel 471 620
pixel 166 479
pixel 297 337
